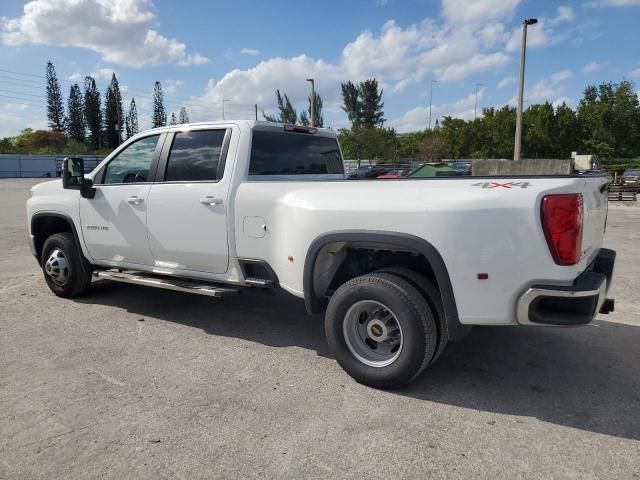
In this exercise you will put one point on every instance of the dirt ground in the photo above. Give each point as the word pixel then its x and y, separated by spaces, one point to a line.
pixel 132 382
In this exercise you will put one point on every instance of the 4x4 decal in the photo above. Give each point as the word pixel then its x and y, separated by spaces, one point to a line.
pixel 501 185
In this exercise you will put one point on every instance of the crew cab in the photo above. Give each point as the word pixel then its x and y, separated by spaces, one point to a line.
pixel 399 267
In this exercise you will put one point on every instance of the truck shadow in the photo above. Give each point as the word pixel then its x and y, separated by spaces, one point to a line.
pixel 586 378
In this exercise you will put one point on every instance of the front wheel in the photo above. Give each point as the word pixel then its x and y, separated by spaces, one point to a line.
pixel 65 270
pixel 381 329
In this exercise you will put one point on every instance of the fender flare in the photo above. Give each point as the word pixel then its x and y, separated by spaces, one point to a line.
pixel 62 216
pixel 315 304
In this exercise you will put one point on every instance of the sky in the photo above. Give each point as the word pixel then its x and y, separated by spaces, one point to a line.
pixel 235 54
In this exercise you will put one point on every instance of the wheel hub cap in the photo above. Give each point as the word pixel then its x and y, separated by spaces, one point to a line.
pixel 377 330
pixel 372 333
pixel 57 267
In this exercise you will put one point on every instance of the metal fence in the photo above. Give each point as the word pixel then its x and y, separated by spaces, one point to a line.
pixel 351 166
pixel 34 166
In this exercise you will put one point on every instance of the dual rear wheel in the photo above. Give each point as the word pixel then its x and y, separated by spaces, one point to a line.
pixel 385 327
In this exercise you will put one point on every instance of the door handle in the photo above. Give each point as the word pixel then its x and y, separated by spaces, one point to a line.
pixel 134 200
pixel 211 200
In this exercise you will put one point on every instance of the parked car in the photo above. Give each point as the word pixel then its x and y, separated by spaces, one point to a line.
pixel 394 174
pixel 461 168
pixel 631 176
pixel 399 268
pixel 369 171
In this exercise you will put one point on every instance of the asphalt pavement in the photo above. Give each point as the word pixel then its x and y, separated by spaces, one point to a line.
pixel 133 382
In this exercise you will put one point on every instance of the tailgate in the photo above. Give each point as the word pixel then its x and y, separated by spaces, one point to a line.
pixel 595 205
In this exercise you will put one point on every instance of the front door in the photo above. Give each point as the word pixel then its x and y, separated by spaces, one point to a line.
pixel 187 210
pixel 114 222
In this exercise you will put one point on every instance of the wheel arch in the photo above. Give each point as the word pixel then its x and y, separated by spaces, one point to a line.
pixel 45 224
pixel 388 240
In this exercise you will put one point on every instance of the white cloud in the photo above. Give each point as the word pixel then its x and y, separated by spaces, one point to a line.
pixel 477 63
pixel 97 74
pixel 402 56
pixel 396 56
pixel 258 84
pixel 477 11
pixel 171 86
pixel 560 100
pixel 506 81
pixel 593 67
pixel 635 73
pixel 561 76
pixel 543 33
pixel 18 115
pixel 119 30
pixel 565 14
pixel 418 118
pixel 546 89
pixel 249 51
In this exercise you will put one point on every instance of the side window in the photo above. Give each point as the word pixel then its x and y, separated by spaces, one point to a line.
pixel 133 163
pixel 195 156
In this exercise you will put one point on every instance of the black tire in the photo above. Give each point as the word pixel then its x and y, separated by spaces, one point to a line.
pixel 434 299
pixel 78 277
pixel 413 314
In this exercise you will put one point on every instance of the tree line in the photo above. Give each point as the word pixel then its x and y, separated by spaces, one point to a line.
pixel 605 122
pixel 91 121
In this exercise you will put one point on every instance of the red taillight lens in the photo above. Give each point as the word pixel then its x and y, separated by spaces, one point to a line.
pixel 562 225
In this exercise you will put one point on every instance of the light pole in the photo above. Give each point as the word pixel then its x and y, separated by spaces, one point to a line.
pixel 475 104
pixel 313 100
pixel 223 100
pixel 516 148
pixel 430 100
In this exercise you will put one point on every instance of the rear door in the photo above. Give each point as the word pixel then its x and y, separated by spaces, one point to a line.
pixel 187 205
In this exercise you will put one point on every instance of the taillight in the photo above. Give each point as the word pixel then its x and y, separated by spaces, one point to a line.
pixel 562 225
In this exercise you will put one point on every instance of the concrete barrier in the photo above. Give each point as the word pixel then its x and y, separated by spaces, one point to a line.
pixel 537 166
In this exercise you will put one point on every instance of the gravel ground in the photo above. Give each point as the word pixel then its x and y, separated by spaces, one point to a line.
pixel 132 382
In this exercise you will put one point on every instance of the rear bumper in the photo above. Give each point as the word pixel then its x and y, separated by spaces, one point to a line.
pixel 575 304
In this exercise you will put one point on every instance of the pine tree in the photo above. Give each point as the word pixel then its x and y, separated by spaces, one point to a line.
pixel 92 112
pixel 286 112
pixel 372 104
pixel 173 120
pixel 184 116
pixel 55 107
pixel 351 103
pixel 159 115
pixel 132 119
pixel 318 117
pixel 75 117
pixel 113 116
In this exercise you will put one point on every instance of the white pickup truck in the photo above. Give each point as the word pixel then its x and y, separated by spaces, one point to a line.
pixel 400 266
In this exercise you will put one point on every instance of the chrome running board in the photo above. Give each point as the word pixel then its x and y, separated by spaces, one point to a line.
pixel 180 285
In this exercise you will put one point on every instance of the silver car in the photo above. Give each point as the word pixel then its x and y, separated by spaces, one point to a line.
pixel 631 176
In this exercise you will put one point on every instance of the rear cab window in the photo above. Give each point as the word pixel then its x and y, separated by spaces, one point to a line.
pixel 280 153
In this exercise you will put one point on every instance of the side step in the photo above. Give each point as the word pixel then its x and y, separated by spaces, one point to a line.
pixel 180 285
pixel 258 282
